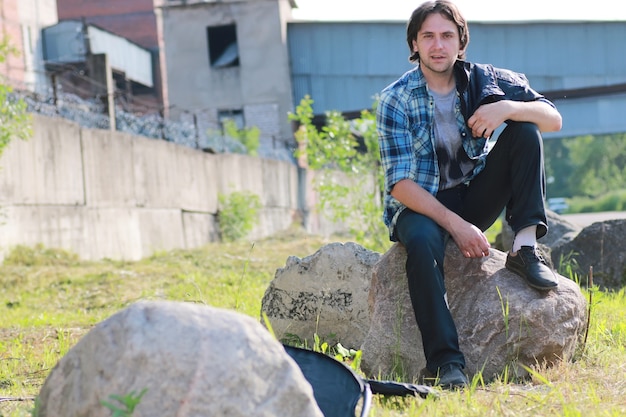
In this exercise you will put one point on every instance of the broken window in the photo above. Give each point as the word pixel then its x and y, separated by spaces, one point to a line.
pixel 234 115
pixel 223 49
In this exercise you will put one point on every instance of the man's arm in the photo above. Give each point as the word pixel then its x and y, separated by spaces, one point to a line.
pixel 488 117
pixel 470 240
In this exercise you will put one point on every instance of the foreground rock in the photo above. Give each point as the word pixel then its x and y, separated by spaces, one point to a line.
pixel 193 360
pixel 501 321
pixel 324 294
pixel 601 246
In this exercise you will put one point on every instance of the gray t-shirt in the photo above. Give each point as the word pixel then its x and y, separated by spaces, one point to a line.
pixel 454 164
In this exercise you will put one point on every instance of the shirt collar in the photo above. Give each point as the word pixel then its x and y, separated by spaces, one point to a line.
pixel 462 70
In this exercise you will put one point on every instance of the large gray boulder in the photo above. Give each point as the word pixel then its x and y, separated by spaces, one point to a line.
pixel 601 246
pixel 501 321
pixel 193 360
pixel 325 294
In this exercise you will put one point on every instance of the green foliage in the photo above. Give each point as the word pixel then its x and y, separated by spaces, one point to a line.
pixel 351 356
pixel 349 176
pixel 587 167
pixel 129 402
pixel 558 168
pixel 248 137
pixel 14 120
pixel 238 214
pixel 600 163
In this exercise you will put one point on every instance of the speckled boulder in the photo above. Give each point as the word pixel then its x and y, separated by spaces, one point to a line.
pixel 324 294
pixel 191 359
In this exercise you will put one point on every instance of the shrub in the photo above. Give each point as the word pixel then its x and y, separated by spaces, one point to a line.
pixel 238 214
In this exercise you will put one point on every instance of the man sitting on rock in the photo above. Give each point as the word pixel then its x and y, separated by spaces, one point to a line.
pixel 442 179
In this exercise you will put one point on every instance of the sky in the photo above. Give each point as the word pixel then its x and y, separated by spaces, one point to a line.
pixel 473 10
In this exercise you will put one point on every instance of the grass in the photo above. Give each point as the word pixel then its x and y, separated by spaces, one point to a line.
pixel 50 298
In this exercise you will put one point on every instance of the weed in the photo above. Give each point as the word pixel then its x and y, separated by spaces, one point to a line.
pixel 128 403
pixel 505 313
pixel 352 356
pixel 568 266
pixel 268 324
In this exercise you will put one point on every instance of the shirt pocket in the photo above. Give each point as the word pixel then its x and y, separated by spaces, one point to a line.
pixel 422 144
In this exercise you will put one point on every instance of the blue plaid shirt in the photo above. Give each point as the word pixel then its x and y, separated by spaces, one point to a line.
pixel 404 121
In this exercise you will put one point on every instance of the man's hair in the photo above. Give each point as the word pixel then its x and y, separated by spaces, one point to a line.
pixel 445 8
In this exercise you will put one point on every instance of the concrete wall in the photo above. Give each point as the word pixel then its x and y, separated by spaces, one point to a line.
pixel 104 194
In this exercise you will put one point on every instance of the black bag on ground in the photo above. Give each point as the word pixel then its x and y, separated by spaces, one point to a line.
pixel 338 390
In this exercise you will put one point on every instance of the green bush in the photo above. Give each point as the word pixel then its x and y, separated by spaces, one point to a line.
pixel 613 201
pixel 238 214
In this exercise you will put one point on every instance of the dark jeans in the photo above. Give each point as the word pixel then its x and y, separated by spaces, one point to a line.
pixel 513 179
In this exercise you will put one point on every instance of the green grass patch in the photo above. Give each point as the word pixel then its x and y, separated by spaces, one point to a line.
pixel 49 299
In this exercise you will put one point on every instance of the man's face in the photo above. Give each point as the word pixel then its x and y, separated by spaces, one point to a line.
pixel 438 44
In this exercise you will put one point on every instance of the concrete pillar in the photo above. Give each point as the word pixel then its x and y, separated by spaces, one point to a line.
pixel 102 76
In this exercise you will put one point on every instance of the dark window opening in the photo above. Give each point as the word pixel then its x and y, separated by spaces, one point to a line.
pixel 223 49
pixel 234 115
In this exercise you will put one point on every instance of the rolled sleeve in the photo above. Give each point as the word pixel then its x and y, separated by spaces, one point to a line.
pixel 396 144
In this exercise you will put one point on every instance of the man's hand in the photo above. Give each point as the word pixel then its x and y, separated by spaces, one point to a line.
pixel 471 241
pixel 488 117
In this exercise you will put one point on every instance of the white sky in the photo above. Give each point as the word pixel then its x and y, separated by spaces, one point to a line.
pixel 473 10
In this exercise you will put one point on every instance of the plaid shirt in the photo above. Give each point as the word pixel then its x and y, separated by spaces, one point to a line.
pixel 404 121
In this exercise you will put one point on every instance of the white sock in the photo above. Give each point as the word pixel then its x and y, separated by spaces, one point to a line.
pixel 525 237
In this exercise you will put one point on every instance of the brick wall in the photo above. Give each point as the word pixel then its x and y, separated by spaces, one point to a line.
pixel 134 20
pixel 13 68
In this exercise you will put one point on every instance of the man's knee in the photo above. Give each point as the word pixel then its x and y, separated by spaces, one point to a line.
pixel 523 134
pixel 420 235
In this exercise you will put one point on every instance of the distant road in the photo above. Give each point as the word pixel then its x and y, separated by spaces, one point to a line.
pixel 585 219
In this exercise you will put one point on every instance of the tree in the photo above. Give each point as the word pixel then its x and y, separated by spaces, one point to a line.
pixel 599 164
pixel 558 168
pixel 356 200
pixel 14 120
